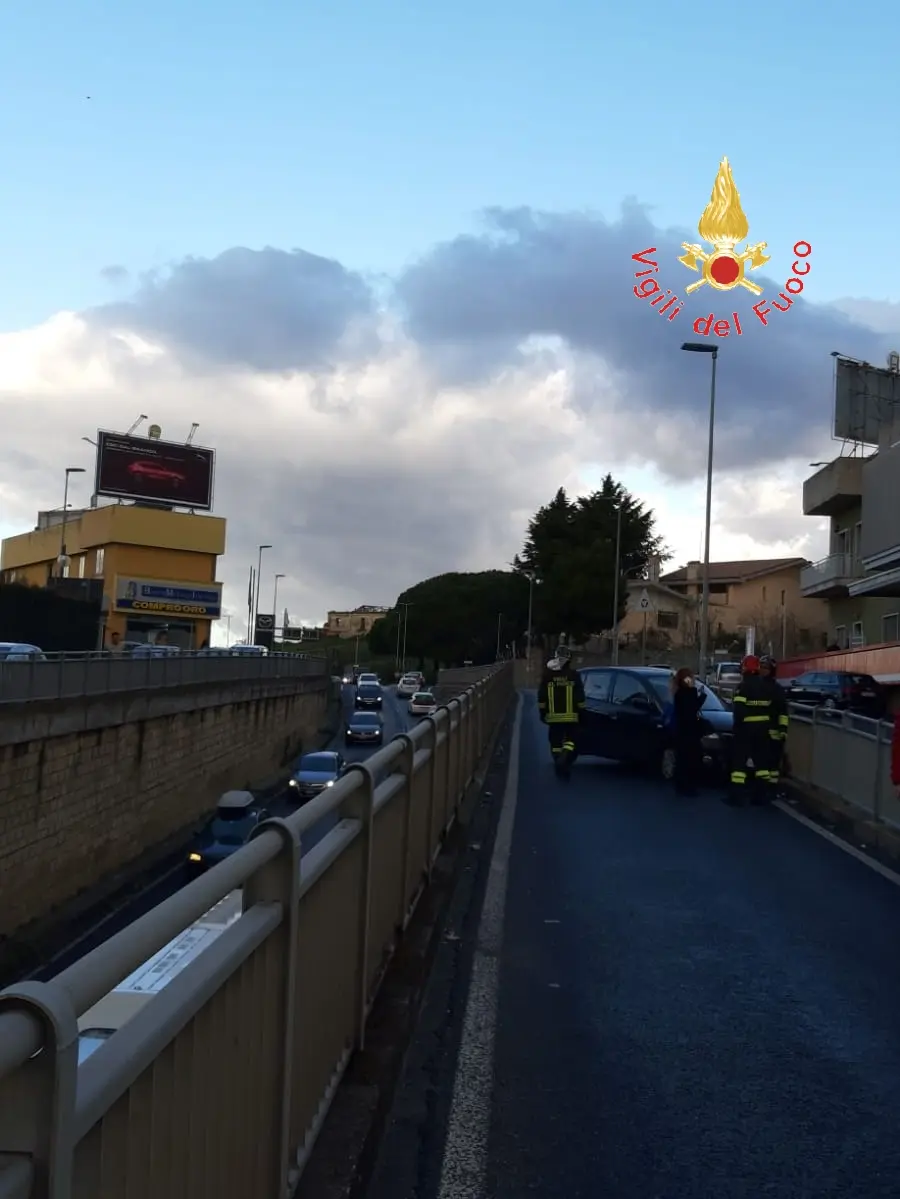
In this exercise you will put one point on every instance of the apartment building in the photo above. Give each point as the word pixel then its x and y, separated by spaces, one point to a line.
pixel 764 594
pixel 859 492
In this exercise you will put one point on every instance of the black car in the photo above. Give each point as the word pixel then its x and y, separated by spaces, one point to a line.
pixel 838 689
pixel 369 695
pixel 364 728
pixel 624 720
pixel 236 816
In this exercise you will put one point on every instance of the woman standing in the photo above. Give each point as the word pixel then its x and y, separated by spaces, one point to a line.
pixel 687 700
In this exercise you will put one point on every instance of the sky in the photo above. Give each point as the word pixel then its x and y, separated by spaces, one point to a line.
pixel 382 253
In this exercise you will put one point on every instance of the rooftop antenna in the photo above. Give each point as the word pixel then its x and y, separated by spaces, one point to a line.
pixel 190 437
pixel 142 417
pixel 893 361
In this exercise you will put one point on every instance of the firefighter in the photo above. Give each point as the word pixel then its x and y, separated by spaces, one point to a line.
pixel 560 702
pixel 778 724
pixel 751 751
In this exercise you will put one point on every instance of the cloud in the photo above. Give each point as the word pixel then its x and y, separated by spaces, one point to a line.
pixel 115 274
pixel 472 301
pixel 269 310
pixel 375 444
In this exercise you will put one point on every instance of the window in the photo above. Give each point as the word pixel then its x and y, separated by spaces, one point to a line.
pixel 890 627
pixel 764 595
pixel 783 600
pixel 628 688
pixel 65 568
pixel 667 620
pixel 596 685
pixel 98 560
pixel 858 637
pixel 718 589
pixel 840 636
pixel 82 562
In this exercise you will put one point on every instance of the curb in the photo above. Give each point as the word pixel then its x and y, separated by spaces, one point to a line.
pixel 847 820
pixel 346 1151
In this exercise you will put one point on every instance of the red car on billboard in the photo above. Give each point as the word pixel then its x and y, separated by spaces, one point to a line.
pixel 156 472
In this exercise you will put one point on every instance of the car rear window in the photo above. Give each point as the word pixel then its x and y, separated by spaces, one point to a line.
pixel 423 697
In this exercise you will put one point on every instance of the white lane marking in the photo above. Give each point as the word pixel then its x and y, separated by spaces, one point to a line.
pixel 464 1168
pixel 891 875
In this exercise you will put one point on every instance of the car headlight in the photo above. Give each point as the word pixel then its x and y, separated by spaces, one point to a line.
pixel 293 783
pixel 330 783
pixel 195 857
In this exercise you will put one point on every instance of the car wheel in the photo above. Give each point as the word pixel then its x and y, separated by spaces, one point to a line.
pixel 667 764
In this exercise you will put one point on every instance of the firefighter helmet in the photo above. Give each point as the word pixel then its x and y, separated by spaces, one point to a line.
pixel 768 662
pixel 750 664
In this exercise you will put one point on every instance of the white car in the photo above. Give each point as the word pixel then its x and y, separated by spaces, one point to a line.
pixel 422 703
pixel 370 679
pixel 20 651
pixel 409 685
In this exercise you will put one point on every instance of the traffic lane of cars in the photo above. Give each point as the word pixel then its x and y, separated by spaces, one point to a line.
pixel 694 1000
pixel 395 719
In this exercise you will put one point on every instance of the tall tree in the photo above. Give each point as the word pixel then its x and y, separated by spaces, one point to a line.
pixel 455 617
pixel 570 550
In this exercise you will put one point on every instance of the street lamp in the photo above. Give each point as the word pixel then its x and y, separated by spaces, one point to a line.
pixel 615 644
pixel 275 601
pixel 63 556
pixel 256 600
pixel 530 615
pixel 499 625
pixel 406 607
pixel 694 347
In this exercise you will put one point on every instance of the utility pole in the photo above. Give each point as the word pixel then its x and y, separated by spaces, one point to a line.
pixel 406 608
pixel 499 626
pixel 530 615
pixel 615 644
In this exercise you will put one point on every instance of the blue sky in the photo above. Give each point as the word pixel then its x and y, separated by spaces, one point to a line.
pixel 368 130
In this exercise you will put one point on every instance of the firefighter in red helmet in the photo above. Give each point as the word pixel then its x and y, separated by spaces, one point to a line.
pixel 751 750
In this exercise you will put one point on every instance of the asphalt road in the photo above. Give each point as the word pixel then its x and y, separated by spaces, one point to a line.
pixel 678 1000
pixel 395 721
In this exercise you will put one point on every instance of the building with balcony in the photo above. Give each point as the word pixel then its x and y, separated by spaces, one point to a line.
pixel 357 623
pixel 763 594
pixel 860 577
pixel 158 567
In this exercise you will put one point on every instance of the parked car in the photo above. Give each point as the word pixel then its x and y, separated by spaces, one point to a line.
pixel 316 771
pixel 725 674
pixel 408 686
pixel 364 728
pixel 838 689
pixel 623 720
pixel 20 651
pixel 236 816
pixel 369 695
pixel 422 703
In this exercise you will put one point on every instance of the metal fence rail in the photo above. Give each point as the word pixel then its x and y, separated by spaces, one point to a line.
pixel 73 678
pixel 846 755
pixel 216 1089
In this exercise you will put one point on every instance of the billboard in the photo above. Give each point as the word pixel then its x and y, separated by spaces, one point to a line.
pixel 865 400
pixel 165 597
pixel 136 468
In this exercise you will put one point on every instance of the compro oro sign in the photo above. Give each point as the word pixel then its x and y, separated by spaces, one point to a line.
pixel 722 265
pixel 162 597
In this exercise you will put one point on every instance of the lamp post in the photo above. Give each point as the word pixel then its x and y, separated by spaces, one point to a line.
pixel 499 626
pixel 256 599
pixel 530 615
pixel 63 557
pixel 694 347
pixel 406 608
pixel 615 644
pixel 275 605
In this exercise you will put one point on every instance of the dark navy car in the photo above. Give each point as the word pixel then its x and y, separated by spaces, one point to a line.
pixel 236 816
pixel 624 719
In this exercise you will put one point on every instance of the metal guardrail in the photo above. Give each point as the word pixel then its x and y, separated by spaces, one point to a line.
pixel 845 755
pixel 75 678
pixel 217 1088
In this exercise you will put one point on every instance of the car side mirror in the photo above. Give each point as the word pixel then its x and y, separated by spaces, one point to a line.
pixel 641 701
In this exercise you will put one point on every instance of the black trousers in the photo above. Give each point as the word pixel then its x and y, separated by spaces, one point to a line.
pixel 562 737
pixel 688 761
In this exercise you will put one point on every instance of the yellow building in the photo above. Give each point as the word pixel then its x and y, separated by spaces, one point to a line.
pixel 158 567
pixel 357 623
pixel 764 594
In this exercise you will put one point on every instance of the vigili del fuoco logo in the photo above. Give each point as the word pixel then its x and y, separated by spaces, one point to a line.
pixel 724 267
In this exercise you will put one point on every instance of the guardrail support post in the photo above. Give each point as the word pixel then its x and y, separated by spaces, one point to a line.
pixel 406 769
pixel 361 806
pixel 37 1101
pixel 278 882
pixel 432 722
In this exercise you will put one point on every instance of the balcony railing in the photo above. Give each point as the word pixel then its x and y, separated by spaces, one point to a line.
pixel 830 576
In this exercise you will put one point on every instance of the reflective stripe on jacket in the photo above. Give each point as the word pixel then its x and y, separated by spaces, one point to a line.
pixel 561 698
